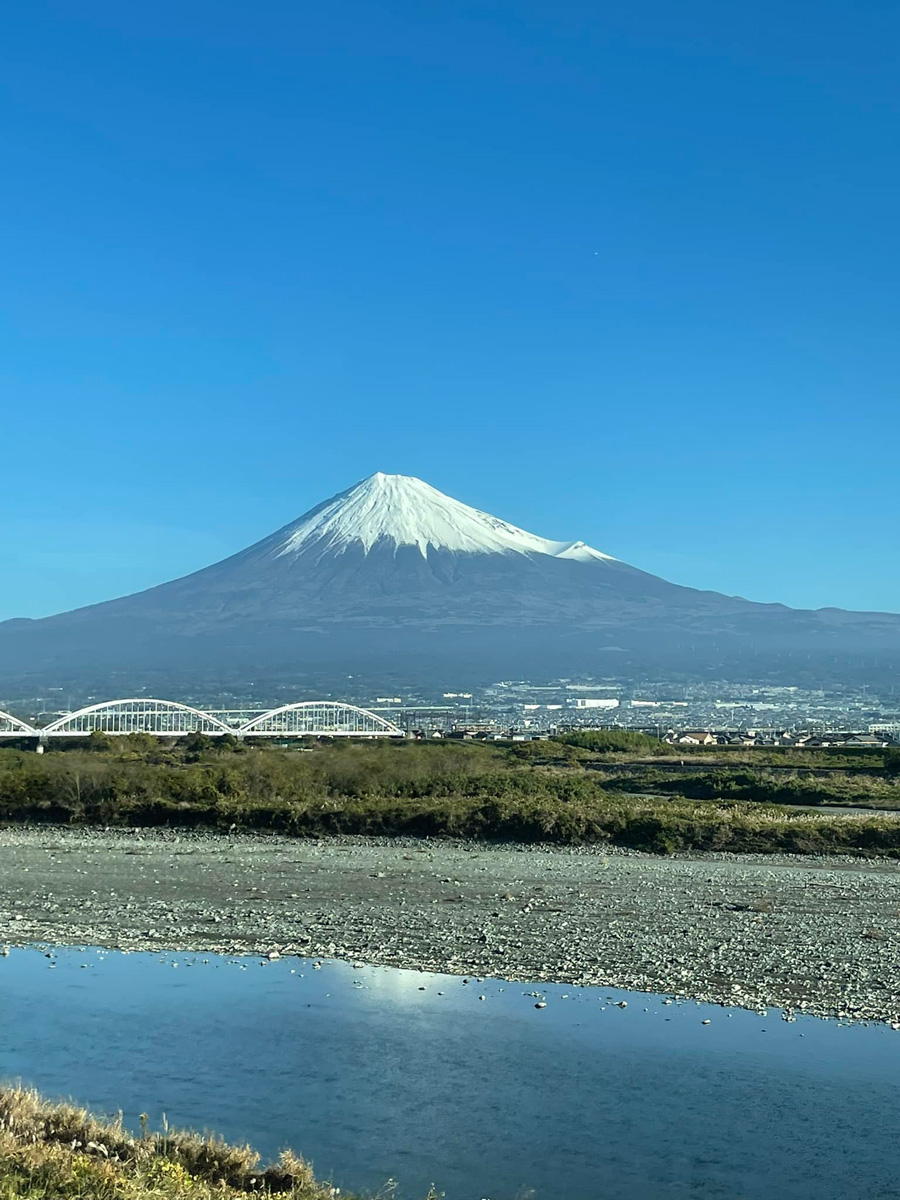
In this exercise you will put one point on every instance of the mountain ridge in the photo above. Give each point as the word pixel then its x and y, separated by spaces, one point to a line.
pixel 393 571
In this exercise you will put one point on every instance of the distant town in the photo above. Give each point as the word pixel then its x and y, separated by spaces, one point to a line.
pixel 709 713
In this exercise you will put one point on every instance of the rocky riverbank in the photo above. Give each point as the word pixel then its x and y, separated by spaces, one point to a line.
pixel 804 934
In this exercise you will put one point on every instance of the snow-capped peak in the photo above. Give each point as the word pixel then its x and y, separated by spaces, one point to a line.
pixel 408 512
pixel 582 552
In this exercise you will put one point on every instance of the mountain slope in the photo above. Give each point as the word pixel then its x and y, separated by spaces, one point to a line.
pixel 392 574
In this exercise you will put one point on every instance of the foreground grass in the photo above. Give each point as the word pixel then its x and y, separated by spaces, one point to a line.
pixel 60 1152
pixel 441 790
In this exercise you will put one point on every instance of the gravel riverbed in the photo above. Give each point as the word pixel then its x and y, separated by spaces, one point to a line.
pixel 805 934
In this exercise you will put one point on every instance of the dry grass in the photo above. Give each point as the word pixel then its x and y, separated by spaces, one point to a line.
pixel 61 1152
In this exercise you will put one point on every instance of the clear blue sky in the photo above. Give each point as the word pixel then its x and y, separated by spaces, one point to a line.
pixel 626 272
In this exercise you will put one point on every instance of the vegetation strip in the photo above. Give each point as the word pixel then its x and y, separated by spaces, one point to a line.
pixel 592 787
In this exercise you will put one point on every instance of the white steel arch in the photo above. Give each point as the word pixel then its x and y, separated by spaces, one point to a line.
pixel 327 718
pixel 163 718
pixel 11 726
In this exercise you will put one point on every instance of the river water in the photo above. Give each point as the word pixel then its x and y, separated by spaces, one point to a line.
pixel 375 1073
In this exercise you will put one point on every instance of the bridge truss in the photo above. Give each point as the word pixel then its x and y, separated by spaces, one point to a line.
pixel 323 718
pixel 163 718
pixel 11 726
pixel 167 718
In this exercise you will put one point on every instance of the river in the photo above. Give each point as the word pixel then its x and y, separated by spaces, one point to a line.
pixel 377 1073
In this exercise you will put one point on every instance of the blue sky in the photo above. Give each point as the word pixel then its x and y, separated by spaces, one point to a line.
pixel 622 272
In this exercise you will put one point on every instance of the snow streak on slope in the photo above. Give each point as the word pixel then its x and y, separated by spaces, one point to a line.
pixel 408 512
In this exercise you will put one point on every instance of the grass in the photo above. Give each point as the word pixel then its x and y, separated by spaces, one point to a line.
pixel 806 787
pixel 532 792
pixel 61 1152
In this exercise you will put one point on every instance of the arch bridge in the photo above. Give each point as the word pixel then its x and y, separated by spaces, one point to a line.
pixel 11 726
pixel 328 718
pixel 168 718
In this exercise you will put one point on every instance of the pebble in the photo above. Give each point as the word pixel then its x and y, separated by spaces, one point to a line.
pixel 774 931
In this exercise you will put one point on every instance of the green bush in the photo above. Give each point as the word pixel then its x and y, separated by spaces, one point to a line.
pixel 609 741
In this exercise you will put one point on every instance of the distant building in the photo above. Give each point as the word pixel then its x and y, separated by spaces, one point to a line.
pixel 868 741
pixel 887 727
pixel 693 737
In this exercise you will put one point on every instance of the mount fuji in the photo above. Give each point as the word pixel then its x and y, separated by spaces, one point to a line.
pixel 392 575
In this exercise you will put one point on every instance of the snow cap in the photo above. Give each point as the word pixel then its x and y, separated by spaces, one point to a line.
pixel 409 512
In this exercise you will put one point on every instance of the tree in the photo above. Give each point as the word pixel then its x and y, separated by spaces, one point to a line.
pixel 196 744
pixel 140 742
